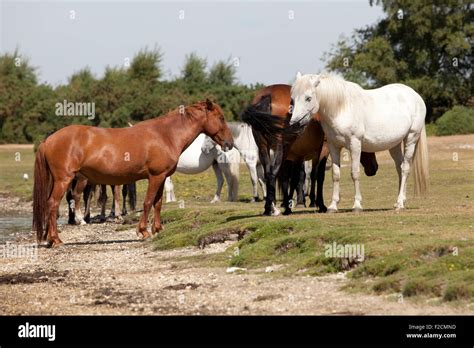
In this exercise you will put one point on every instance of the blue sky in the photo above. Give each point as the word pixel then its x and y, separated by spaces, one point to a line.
pixel 270 46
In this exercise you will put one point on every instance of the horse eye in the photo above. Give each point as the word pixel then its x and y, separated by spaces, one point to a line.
pixel 308 99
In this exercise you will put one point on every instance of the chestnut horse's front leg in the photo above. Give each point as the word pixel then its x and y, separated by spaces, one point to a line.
pixel 154 184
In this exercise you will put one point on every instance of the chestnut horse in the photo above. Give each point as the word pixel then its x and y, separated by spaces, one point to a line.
pixel 148 150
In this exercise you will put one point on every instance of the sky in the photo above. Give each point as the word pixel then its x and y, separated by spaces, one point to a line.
pixel 270 40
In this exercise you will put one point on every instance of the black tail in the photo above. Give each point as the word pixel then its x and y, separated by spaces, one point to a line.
pixel 259 116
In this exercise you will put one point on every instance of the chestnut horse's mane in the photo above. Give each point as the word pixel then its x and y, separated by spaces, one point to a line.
pixel 189 113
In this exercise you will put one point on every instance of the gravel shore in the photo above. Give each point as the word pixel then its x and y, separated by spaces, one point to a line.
pixel 100 270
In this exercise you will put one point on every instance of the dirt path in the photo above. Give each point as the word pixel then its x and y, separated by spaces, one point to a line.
pixel 103 271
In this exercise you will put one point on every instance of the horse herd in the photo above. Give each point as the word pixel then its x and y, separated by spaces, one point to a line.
pixel 283 129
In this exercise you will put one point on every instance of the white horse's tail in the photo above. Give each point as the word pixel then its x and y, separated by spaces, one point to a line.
pixel 420 165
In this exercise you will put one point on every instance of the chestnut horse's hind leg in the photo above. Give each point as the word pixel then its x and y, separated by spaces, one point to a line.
pixel 59 189
pixel 154 184
pixel 157 203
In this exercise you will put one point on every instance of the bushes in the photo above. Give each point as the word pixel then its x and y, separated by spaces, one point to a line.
pixel 458 120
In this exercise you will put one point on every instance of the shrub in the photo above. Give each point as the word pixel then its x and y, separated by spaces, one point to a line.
pixel 458 120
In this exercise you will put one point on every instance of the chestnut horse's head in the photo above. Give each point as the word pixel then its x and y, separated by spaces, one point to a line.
pixel 216 127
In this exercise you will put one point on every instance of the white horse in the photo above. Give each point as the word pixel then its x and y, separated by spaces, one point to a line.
pixel 204 152
pixel 366 120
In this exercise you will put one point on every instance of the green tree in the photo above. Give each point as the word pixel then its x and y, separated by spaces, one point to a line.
pixel 427 46
pixel 17 83
pixel 194 69
pixel 112 93
pixel 222 73
pixel 146 65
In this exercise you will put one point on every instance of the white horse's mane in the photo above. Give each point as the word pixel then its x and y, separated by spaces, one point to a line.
pixel 333 92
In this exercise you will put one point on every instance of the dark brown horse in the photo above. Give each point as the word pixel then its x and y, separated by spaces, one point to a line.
pixel 293 173
pixel 269 116
pixel 107 156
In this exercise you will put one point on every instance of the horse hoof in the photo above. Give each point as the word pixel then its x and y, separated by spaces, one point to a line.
pixel 276 212
pixel 55 243
pixel 287 212
pixel 300 205
pixel 357 210
pixel 312 205
pixel 399 209
pixel 156 230
pixel 145 235
pixel 331 211
pixel 322 209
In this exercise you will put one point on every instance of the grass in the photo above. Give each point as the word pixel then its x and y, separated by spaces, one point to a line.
pixel 14 163
pixel 425 251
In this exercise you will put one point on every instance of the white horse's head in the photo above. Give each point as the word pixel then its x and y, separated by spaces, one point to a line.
pixel 305 101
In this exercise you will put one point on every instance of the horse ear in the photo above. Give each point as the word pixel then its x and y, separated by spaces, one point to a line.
pixel 315 81
pixel 209 104
pixel 298 75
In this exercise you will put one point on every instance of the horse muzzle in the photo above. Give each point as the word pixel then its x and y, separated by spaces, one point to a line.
pixel 228 145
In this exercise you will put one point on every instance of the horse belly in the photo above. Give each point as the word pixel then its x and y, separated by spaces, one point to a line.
pixel 194 164
pixel 116 177
pixel 384 134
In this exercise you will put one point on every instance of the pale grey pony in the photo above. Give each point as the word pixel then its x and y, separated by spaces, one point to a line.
pixel 204 153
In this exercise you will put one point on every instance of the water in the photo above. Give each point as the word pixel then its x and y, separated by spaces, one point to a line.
pixel 13 226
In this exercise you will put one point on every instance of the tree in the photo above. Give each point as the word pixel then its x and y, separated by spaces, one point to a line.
pixel 122 95
pixel 17 82
pixel 194 70
pixel 427 46
pixel 112 93
pixel 146 65
pixel 222 73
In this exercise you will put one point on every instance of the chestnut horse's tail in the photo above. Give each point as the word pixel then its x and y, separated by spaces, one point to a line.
pixel 41 192
pixel 420 165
